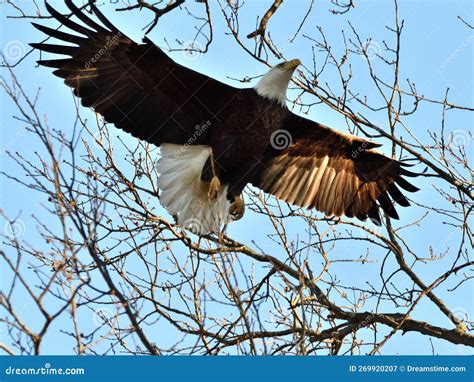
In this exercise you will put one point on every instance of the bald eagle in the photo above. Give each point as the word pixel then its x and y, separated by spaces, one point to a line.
pixel 215 139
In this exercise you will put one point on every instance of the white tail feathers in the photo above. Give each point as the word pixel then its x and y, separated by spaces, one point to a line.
pixel 184 195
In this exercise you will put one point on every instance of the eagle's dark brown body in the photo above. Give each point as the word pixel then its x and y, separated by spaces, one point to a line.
pixel 241 136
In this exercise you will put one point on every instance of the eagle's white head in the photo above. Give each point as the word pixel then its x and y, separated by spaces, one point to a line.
pixel 274 84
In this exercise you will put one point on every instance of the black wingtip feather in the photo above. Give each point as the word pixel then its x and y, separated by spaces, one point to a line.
pixel 146 40
pixel 68 22
pixel 408 173
pixel 387 206
pixel 406 185
pixel 374 215
pixel 50 48
pixel 103 19
pixel 59 35
pixel 397 196
pixel 59 63
pixel 86 20
pixel 362 145
pixel 376 221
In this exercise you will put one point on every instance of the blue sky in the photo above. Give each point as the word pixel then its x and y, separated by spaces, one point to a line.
pixel 437 52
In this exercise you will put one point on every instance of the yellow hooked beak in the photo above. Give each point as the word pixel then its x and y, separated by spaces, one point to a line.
pixel 291 65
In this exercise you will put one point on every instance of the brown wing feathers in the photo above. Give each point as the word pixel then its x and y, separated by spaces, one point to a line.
pixel 97 70
pixel 135 86
pixel 334 173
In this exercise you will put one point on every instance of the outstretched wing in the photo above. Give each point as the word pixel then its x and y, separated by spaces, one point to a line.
pixel 335 173
pixel 137 87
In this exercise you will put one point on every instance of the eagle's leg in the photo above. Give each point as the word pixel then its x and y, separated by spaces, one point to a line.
pixel 214 187
pixel 210 177
pixel 237 208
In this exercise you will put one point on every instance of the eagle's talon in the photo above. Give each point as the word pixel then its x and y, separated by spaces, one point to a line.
pixel 214 188
pixel 237 208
